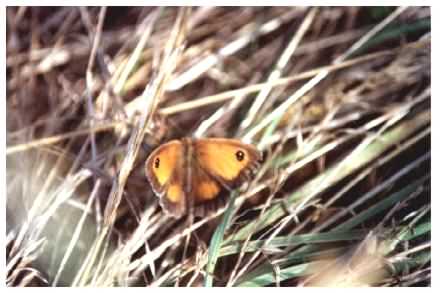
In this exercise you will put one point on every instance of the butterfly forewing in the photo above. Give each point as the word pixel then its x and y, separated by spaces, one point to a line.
pixel 164 171
pixel 228 160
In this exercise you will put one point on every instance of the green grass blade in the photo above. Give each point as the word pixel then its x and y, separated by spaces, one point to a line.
pixel 395 32
pixel 216 242
pixel 292 240
pixel 284 274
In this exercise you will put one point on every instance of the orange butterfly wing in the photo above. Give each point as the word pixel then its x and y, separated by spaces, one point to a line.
pixel 199 180
pixel 164 171
pixel 229 161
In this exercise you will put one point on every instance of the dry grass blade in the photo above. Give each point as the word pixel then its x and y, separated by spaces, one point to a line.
pixel 151 95
pixel 228 50
pixel 279 67
pixel 258 87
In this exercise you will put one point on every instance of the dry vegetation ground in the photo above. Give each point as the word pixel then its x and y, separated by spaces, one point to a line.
pixel 338 100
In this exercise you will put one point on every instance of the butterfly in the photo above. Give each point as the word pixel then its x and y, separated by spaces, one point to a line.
pixel 196 175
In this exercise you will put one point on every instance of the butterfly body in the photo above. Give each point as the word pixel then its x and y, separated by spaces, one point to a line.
pixel 195 175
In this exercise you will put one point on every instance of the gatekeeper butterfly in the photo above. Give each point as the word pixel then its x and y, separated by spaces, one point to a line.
pixel 195 175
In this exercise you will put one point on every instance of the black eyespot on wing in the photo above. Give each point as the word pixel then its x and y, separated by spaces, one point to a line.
pixel 156 163
pixel 239 155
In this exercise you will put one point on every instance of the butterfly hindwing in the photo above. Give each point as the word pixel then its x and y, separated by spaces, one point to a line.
pixel 173 200
pixel 208 193
pixel 204 187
